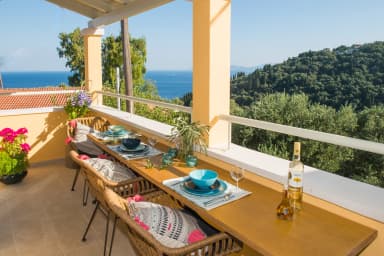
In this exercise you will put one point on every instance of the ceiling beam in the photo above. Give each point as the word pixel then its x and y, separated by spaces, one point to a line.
pixel 101 6
pixel 117 1
pixel 130 9
pixel 77 7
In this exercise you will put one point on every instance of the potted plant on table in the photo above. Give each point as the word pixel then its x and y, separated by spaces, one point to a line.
pixel 13 155
pixel 188 137
pixel 77 105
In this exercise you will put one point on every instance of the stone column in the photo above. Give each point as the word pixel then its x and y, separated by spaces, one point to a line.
pixel 92 62
pixel 211 66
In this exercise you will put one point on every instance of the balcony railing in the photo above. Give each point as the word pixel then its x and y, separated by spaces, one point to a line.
pixel 324 185
pixel 335 139
pixel 318 183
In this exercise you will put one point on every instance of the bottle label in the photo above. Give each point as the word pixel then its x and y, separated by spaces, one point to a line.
pixel 295 178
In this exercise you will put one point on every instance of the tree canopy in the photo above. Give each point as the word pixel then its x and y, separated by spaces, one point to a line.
pixel 72 49
pixel 339 91
pixel 334 77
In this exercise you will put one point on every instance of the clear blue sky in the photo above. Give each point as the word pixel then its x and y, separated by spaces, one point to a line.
pixel 262 31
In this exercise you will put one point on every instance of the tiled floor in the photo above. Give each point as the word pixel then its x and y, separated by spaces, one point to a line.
pixel 41 216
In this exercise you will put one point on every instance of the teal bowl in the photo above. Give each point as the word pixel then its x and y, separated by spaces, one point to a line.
pixel 203 178
pixel 116 129
pixel 131 143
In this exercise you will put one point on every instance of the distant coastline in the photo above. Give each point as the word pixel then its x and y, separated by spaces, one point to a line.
pixel 33 79
pixel 170 83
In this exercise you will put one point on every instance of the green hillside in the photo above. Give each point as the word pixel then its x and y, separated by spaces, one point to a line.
pixel 339 91
pixel 345 75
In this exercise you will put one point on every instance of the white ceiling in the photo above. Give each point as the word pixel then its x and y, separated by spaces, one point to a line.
pixel 104 12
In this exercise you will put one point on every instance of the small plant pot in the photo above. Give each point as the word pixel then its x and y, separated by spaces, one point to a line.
pixel 167 159
pixel 191 161
pixel 172 152
pixel 13 178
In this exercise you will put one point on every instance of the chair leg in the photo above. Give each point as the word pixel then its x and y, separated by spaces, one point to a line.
pixel 75 179
pixel 106 233
pixel 90 222
pixel 85 192
pixel 112 235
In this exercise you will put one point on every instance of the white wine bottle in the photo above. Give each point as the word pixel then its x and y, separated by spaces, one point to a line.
pixel 295 179
pixel 284 210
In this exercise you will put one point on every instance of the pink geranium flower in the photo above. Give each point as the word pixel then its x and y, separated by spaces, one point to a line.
pixel 4 132
pixel 25 147
pixel 10 137
pixel 14 149
pixel 22 131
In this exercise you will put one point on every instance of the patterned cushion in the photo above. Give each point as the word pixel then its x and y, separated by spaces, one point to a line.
pixel 112 171
pixel 171 227
pixel 81 132
pixel 82 143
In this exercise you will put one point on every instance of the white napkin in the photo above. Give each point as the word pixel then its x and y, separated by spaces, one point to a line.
pixel 229 195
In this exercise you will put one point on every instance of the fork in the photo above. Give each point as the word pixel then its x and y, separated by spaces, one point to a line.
pixel 179 182
pixel 226 196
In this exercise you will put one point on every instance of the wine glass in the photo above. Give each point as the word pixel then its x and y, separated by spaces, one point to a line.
pixel 237 173
pixel 152 141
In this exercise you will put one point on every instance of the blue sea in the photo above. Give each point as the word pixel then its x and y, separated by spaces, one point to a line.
pixel 170 84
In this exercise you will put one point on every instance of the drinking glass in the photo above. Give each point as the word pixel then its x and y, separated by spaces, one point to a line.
pixel 167 159
pixel 152 141
pixel 237 173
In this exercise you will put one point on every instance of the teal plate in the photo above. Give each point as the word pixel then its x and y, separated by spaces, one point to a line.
pixel 216 189
pixel 116 134
pixel 140 148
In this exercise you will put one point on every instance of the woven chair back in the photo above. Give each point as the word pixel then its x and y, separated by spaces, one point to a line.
pixel 95 122
pixel 146 245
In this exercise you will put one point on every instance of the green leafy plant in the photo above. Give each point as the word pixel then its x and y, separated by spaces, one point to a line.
pixel 77 105
pixel 189 136
pixel 13 151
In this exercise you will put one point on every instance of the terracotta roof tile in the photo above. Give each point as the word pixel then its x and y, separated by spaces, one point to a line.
pixel 8 100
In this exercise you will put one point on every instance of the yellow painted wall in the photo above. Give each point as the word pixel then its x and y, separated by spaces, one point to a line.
pixel 92 62
pixel 46 133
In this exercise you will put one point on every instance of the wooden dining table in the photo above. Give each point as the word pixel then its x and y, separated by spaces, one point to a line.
pixel 252 219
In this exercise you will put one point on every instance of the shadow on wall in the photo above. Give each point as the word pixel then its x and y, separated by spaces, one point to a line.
pixel 50 141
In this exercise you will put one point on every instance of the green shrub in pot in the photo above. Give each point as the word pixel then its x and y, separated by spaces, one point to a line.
pixel 188 137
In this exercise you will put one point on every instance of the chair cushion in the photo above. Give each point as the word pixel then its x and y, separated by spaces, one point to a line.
pixel 81 132
pixel 171 227
pixel 113 171
pixel 82 143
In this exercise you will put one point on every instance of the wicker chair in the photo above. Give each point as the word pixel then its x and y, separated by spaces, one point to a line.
pixel 97 184
pixel 96 123
pixel 145 244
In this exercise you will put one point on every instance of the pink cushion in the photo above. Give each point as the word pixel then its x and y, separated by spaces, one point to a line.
pixel 83 157
pixel 195 236
pixel 171 227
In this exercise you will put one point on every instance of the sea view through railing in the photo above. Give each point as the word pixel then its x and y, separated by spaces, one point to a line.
pixel 170 83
